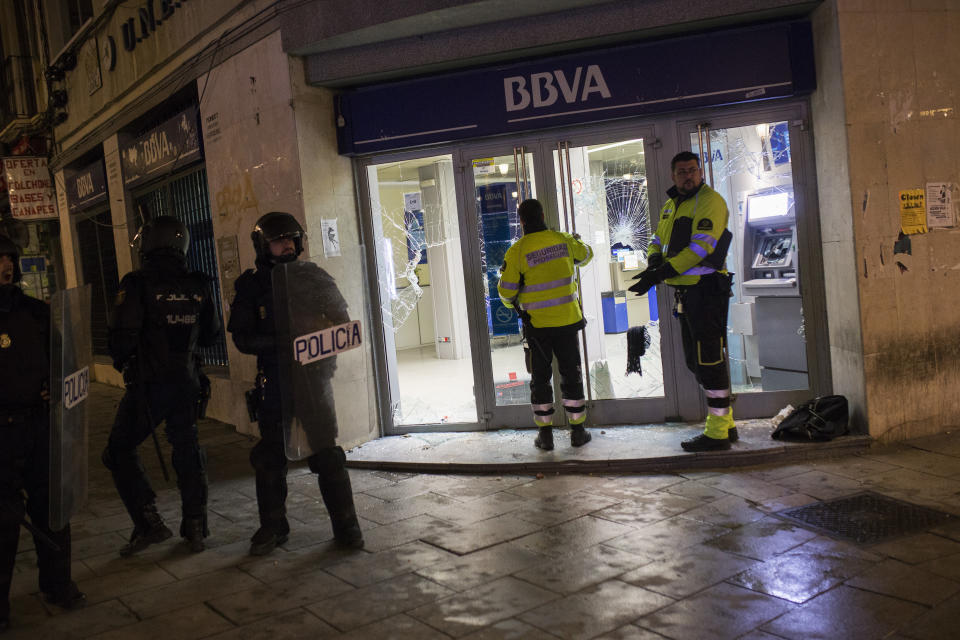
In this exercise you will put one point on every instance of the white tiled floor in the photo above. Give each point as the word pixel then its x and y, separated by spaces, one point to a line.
pixel 441 391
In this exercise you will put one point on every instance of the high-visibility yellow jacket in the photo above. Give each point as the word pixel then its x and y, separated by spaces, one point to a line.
pixel 539 276
pixel 694 231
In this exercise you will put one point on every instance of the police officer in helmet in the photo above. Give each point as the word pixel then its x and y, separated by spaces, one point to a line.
pixel 25 440
pixel 162 314
pixel 278 238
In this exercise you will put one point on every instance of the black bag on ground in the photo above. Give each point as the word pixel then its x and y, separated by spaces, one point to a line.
pixel 822 418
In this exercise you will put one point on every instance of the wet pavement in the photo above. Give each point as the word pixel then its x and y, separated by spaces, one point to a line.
pixel 615 553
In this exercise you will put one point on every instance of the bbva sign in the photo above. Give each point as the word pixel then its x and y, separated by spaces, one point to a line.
pixel 546 87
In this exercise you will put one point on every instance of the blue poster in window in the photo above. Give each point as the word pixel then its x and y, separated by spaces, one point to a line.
pixel 416 236
pixel 493 198
pixel 780 143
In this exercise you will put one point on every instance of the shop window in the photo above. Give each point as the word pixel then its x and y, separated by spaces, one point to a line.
pixel 185 197
pixel 41 260
pixel 98 265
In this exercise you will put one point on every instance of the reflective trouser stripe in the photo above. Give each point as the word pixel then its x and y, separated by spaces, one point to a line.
pixel 543 414
pixel 718 401
pixel 576 410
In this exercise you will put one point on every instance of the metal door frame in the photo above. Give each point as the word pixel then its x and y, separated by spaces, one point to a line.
pixel 810 253
pixel 491 415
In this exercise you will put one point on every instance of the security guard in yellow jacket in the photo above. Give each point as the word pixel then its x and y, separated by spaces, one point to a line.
pixel 688 252
pixel 538 277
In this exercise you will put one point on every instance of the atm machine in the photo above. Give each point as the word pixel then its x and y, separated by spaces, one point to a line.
pixel 770 278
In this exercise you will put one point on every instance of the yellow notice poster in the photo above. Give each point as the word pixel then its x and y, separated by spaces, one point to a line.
pixel 913 212
pixel 483 166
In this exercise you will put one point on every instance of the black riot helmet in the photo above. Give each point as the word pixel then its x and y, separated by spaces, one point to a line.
pixel 9 248
pixel 163 235
pixel 274 226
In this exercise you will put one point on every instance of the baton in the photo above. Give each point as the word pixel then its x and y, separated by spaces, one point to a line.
pixel 37 533
pixel 149 416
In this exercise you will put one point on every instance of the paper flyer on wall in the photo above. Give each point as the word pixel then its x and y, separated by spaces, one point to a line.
pixel 913 214
pixel 940 212
pixel 331 239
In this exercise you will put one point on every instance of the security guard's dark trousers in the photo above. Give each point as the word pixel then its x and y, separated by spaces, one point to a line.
pixel 25 468
pixel 703 326
pixel 544 345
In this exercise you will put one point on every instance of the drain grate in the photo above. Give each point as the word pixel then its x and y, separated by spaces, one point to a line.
pixel 865 518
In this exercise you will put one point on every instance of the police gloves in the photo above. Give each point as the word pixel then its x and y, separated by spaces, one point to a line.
pixel 652 276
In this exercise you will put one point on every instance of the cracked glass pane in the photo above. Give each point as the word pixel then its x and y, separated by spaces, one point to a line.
pixel 422 296
pixel 496 190
pixel 611 210
pixel 751 167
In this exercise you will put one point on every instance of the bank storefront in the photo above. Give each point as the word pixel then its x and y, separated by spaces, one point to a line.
pixel 441 171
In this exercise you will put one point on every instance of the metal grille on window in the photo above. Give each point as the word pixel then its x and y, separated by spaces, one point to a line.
pixel 98 262
pixel 185 198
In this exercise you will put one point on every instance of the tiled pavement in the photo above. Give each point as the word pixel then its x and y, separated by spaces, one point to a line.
pixel 681 555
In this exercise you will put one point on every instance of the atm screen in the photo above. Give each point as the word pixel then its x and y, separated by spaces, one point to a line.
pixel 769 208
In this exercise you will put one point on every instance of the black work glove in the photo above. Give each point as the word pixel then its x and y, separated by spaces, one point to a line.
pixel 652 276
pixel 648 279
pixel 653 262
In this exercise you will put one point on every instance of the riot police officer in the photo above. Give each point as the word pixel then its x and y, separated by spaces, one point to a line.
pixel 25 439
pixel 162 313
pixel 278 238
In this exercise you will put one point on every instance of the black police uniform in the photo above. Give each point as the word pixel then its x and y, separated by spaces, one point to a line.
pixel 252 325
pixel 163 312
pixel 25 448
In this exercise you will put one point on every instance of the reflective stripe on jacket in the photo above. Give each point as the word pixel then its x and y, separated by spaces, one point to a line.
pixel 692 235
pixel 539 276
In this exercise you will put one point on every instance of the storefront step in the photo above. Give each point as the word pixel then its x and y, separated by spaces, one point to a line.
pixel 639 449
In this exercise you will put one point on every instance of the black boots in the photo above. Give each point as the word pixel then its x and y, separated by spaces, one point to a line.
pixel 338 498
pixel 337 494
pixel 705 443
pixel 544 439
pixel 579 436
pixel 270 535
pixel 149 529
pixel 194 530
pixel 68 597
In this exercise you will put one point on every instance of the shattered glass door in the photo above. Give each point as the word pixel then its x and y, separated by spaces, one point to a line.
pixel 602 189
pixel 752 168
pixel 500 184
pixel 422 297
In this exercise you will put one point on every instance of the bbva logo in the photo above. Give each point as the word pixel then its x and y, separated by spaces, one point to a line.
pixel 546 87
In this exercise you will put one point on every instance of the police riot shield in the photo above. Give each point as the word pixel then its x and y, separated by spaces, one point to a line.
pixel 71 362
pixel 323 369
